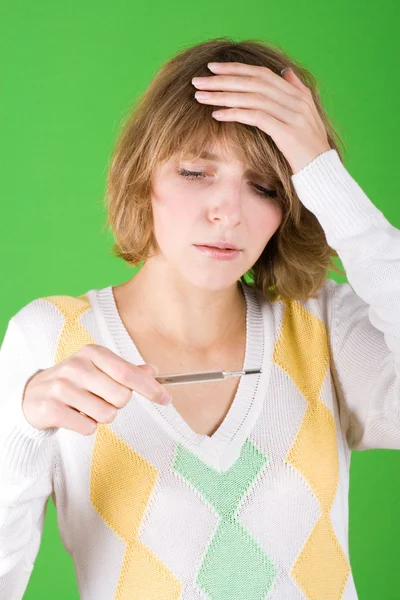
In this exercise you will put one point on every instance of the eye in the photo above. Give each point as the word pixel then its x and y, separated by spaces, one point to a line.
pixel 262 191
pixel 190 174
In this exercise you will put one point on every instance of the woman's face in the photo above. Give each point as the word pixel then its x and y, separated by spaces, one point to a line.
pixel 223 203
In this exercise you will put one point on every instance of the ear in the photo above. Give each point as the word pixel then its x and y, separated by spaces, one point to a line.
pixel 292 78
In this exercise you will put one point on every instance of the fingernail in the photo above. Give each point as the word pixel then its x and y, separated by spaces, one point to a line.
pixel 166 399
pixel 202 95
pixel 215 66
pixel 156 369
pixel 285 69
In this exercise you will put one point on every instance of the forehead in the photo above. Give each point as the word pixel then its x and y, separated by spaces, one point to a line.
pixel 214 153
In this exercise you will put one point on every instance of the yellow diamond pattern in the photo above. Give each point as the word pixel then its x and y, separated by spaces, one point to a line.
pixel 302 352
pixel 121 482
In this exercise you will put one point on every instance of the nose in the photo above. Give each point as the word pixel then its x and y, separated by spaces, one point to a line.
pixel 226 206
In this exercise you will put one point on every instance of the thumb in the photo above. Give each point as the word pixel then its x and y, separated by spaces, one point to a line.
pixel 154 370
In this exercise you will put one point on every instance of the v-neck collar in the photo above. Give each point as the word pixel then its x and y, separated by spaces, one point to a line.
pixel 222 448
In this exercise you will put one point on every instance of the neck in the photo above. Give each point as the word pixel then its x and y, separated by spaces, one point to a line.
pixel 180 314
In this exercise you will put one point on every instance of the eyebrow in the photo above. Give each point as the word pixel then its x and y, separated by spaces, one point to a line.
pixel 210 156
pixel 206 155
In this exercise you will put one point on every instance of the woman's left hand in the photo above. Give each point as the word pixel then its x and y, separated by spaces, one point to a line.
pixel 281 106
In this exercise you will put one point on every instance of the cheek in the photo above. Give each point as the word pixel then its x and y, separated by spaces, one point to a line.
pixel 172 213
pixel 264 222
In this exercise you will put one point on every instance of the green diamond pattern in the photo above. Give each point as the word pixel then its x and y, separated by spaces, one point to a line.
pixel 234 566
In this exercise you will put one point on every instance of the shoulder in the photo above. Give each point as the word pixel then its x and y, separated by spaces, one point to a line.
pixel 317 311
pixel 336 306
pixel 324 296
pixel 52 325
pixel 51 310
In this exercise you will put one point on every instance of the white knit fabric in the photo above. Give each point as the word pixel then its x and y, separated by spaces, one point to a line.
pixel 263 502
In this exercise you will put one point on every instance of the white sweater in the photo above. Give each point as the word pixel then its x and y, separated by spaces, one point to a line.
pixel 150 510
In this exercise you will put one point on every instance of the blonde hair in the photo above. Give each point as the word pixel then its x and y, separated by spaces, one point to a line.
pixel 168 121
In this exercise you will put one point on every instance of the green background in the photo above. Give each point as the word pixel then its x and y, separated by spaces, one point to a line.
pixel 69 72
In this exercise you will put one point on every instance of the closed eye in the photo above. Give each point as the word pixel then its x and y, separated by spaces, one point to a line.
pixel 262 191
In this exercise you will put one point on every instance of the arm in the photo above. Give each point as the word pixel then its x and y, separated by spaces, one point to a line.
pixel 365 337
pixel 26 463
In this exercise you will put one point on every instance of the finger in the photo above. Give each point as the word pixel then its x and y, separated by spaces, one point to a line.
pixel 101 384
pixel 66 417
pixel 89 404
pixel 269 124
pixel 117 394
pixel 129 375
pixel 253 102
pixel 256 71
pixel 256 85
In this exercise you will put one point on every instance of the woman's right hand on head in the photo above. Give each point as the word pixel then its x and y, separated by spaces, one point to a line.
pixel 94 381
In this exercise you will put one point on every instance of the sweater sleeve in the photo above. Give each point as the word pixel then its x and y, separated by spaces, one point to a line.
pixel 26 463
pixel 365 333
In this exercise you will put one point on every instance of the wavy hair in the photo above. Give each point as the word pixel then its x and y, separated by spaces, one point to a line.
pixel 168 121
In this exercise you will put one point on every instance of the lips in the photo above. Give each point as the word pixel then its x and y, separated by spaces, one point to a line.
pixel 220 246
pixel 213 247
pixel 217 253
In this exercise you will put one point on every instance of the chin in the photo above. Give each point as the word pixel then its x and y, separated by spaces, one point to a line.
pixel 211 281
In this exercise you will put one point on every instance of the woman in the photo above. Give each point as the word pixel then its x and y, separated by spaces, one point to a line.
pixel 238 489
